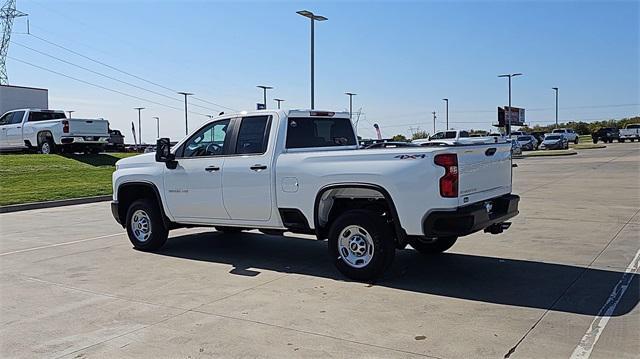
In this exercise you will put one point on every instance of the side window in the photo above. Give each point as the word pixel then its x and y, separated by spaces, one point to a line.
pixel 450 134
pixel 464 134
pixel 252 136
pixel 4 120
pixel 17 117
pixel 438 136
pixel 209 141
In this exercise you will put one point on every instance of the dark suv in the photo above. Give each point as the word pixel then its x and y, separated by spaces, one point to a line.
pixel 605 134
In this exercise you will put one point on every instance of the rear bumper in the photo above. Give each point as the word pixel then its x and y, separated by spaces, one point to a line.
pixel 115 211
pixel 472 218
pixel 84 140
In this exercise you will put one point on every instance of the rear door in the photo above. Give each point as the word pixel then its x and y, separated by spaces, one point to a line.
pixel 484 171
pixel 246 176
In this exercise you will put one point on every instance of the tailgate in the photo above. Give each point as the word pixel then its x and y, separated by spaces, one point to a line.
pixel 484 172
pixel 81 127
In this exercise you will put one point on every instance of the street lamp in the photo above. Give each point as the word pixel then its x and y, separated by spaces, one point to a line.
pixel 186 119
pixel 264 94
pixel 157 125
pixel 556 90
pixel 313 18
pixel 350 94
pixel 508 126
pixel 70 112
pixel 139 124
pixel 447 112
pixel 278 100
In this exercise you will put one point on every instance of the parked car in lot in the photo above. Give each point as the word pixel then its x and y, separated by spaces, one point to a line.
pixel 302 171
pixel 50 131
pixel 527 142
pixel 516 148
pixel 606 135
pixel 394 144
pixel 554 141
pixel 116 141
pixel 630 132
pixel 447 136
pixel 568 133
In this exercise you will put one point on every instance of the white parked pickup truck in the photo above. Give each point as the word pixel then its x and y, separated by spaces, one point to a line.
pixel 568 133
pixel 301 171
pixel 630 132
pixel 50 131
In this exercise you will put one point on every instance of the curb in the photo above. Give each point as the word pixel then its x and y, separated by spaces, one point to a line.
pixel 51 204
pixel 552 154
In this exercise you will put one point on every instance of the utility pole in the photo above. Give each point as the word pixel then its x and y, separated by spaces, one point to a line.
pixel 8 12
pixel 508 114
pixel 139 124
pixel 556 90
pixel 313 18
pixel 264 94
pixel 186 118
pixel 434 122
pixel 278 100
pixel 447 112
pixel 350 94
pixel 70 112
pixel 157 125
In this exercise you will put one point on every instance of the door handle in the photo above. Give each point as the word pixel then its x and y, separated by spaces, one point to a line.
pixel 212 168
pixel 258 167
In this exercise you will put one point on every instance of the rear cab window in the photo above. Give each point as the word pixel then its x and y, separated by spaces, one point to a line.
pixel 311 132
pixel 45 116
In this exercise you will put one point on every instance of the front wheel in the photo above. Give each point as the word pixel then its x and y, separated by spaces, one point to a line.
pixel 145 226
pixel 431 246
pixel 575 142
pixel 595 140
pixel 361 244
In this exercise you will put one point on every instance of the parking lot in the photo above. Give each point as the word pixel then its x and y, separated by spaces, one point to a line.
pixel 71 285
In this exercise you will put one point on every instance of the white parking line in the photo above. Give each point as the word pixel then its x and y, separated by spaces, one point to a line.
pixel 590 338
pixel 60 244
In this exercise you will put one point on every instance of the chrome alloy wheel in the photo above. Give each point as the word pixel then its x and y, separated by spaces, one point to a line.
pixel 141 225
pixel 355 246
pixel 45 148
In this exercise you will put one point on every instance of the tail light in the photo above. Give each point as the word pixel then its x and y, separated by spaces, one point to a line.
pixel 65 126
pixel 448 182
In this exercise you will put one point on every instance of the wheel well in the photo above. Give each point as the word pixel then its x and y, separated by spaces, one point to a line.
pixel 332 202
pixel 43 135
pixel 131 192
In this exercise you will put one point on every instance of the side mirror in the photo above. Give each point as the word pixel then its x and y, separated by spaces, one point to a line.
pixel 163 153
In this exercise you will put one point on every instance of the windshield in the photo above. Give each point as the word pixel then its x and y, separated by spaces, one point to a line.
pixel 558 131
pixel 552 138
pixel 633 126
pixel 523 138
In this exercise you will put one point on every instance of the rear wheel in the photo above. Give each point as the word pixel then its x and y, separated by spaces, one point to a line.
pixel 46 146
pixel 361 244
pixel 145 226
pixel 431 246
pixel 575 141
pixel 595 140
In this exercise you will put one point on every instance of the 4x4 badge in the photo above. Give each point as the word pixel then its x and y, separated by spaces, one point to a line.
pixel 410 157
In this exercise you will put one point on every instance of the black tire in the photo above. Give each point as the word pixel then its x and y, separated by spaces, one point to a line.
pixel 620 140
pixel 157 232
pixel 46 146
pixel 376 229
pixel 595 141
pixel 431 247
pixel 228 229
pixel 575 142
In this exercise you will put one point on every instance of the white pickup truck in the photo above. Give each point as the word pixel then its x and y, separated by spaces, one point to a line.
pixel 301 171
pixel 50 131
pixel 630 132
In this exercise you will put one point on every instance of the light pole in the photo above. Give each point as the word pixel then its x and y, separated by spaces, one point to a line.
pixel 447 112
pixel 70 112
pixel 186 119
pixel 139 124
pixel 350 94
pixel 278 100
pixel 434 122
pixel 556 90
pixel 157 125
pixel 313 18
pixel 508 115
pixel 264 94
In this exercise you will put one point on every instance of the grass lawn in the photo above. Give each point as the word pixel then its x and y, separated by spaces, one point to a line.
pixel 28 178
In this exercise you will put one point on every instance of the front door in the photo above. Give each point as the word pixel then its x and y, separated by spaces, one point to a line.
pixel 14 130
pixel 4 120
pixel 246 179
pixel 193 190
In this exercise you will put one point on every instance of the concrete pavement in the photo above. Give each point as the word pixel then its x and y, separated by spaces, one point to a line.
pixel 71 286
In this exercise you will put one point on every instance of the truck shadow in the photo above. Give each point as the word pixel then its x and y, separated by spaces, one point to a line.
pixel 557 287
pixel 101 159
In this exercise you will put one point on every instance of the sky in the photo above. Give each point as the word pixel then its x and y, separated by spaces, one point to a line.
pixel 401 58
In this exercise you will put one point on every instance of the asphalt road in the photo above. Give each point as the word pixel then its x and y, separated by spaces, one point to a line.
pixel 562 282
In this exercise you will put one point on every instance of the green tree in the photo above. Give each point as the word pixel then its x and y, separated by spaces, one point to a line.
pixel 399 138
pixel 420 134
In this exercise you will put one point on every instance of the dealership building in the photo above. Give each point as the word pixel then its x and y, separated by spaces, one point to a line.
pixel 14 97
